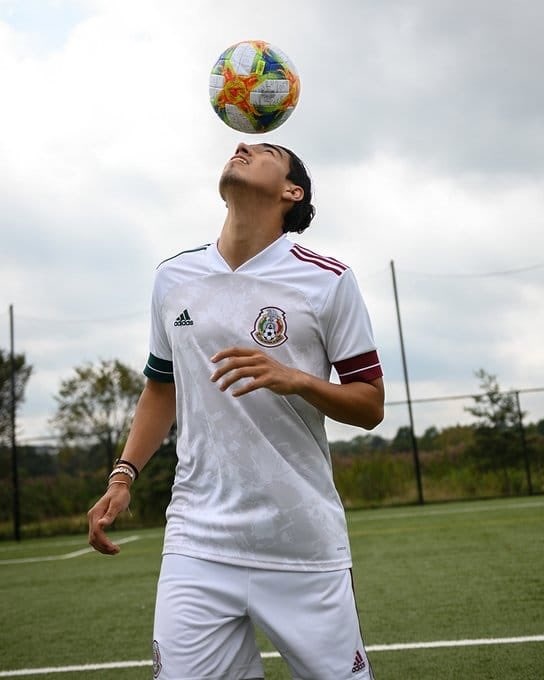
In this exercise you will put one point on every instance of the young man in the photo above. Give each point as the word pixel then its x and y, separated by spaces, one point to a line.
pixel 243 336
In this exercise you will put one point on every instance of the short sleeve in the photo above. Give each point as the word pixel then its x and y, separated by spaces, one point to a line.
pixel 349 337
pixel 159 365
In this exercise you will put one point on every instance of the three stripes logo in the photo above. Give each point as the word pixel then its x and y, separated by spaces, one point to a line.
pixel 359 663
pixel 183 319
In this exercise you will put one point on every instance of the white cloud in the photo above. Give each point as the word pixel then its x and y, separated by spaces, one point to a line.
pixel 422 127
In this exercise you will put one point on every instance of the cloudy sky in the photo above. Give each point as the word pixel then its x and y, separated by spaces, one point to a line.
pixel 422 123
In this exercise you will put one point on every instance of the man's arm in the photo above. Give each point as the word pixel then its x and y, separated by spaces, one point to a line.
pixel 355 403
pixel 153 418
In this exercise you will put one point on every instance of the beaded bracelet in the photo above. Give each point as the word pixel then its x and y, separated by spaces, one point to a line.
pixel 120 461
pixel 123 470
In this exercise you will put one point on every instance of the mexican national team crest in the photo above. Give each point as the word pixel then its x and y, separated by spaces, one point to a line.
pixel 157 665
pixel 270 329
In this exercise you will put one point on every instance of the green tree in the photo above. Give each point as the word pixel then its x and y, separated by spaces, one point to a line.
pixel 428 441
pixel 22 374
pixel 359 445
pixel 96 406
pixel 402 441
pixel 496 431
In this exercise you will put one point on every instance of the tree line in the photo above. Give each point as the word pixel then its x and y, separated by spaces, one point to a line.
pixel 495 455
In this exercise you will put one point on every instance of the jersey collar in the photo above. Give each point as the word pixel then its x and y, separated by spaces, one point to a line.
pixel 263 260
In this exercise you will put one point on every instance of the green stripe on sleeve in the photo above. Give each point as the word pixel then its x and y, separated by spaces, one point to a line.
pixel 160 370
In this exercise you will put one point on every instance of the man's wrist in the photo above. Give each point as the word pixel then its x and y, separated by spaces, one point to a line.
pixel 120 482
pixel 304 384
pixel 128 463
pixel 124 472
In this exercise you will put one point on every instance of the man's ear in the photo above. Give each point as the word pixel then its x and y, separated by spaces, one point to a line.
pixel 293 193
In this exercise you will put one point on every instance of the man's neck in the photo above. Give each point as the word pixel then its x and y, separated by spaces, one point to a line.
pixel 242 239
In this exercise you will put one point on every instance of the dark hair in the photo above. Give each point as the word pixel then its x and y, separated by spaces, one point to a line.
pixel 298 217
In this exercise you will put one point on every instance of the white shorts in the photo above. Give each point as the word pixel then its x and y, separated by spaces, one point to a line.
pixel 205 611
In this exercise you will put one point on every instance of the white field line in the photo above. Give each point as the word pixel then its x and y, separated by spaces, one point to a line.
pixel 422 513
pixel 275 655
pixel 454 643
pixel 65 556
pixel 23 545
pixel 52 544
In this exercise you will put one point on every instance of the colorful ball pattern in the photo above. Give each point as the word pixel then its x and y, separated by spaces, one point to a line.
pixel 254 87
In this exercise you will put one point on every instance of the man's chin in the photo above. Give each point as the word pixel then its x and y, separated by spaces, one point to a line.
pixel 229 178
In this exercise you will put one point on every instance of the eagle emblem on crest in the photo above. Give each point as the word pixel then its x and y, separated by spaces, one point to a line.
pixel 270 328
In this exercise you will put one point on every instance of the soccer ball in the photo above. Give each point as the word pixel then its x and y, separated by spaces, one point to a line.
pixel 254 87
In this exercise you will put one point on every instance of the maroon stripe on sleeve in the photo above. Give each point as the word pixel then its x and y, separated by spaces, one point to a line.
pixel 362 368
pixel 324 264
pixel 310 253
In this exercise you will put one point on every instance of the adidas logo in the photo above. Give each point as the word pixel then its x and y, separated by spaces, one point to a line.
pixel 359 662
pixel 183 319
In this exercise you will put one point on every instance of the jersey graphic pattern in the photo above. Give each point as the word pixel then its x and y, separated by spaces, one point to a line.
pixel 254 483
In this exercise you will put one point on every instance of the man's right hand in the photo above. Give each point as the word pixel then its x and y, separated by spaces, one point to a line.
pixel 103 513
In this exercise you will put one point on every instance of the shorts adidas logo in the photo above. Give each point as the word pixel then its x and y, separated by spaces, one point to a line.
pixel 183 319
pixel 359 663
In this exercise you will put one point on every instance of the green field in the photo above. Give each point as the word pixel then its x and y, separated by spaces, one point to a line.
pixel 448 572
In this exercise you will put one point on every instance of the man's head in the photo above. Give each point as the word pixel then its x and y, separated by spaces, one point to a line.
pixel 271 171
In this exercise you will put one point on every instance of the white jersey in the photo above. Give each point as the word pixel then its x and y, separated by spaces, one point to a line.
pixel 253 483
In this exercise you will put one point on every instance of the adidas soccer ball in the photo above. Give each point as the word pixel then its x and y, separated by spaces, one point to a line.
pixel 254 87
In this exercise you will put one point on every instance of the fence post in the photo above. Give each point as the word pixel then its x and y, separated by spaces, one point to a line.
pixel 14 462
pixel 415 451
pixel 524 446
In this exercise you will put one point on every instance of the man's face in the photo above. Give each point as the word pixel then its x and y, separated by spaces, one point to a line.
pixel 263 167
